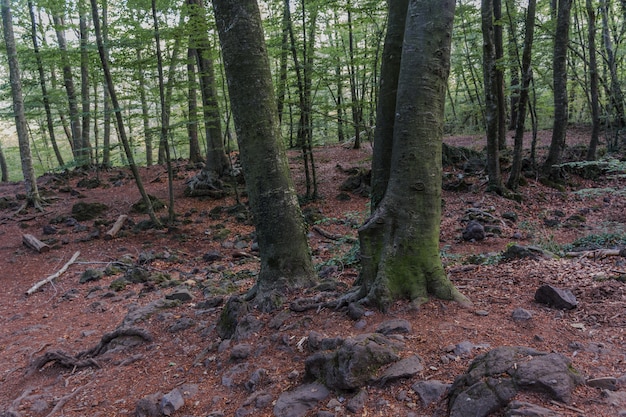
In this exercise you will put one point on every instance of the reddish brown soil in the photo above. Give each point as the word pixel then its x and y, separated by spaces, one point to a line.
pixel 71 317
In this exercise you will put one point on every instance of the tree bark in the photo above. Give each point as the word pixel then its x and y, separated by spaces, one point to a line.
pixel 492 113
pixel 593 82
pixel 4 168
pixel 400 241
pixel 522 102
pixel 118 115
pixel 42 83
pixel 192 106
pixel 84 82
pixel 68 81
pixel 385 111
pixel 285 258
pixel 30 181
pixel 561 112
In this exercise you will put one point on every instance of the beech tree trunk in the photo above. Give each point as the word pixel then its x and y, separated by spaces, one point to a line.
pixel 285 257
pixel 30 181
pixel 522 101
pixel 593 83
pixel 561 112
pixel 400 241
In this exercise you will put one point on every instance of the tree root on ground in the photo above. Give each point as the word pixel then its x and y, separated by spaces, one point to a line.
pixel 86 358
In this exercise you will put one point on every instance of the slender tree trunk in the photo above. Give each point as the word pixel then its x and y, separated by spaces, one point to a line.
pixel 30 181
pixel 561 111
pixel 165 109
pixel 513 53
pixel 118 114
pixel 216 159
pixel 106 100
pixel 520 111
pixel 593 82
pixel 616 95
pixel 145 113
pixel 42 83
pixel 499 50
pixel 285 258
pixel 356 103
pixel 4 168
pixel 84 82
pixel 386 109
pixel 282 67
pixel 492 113
pixel 192 105
pixel 400 261
pixel 68 80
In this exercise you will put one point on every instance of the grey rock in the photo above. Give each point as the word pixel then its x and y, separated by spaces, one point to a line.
pixel 171 402
pixel 241 351
pixel 394 326
pixel 355 311
pixel 39 406
pixel 614 398
pixel 91 275
pixel 521 314
pixel 524 409
pixel 354 363
pixel 325 414
pixel 248 325
pixel 146 311
pixel 314 340
pixel 356 403
pixel 263 400
pixel 256 380
pixel 181 324
pixel 510 215
pixel 474 231
pixel 298 402
pixel 430 391
pixel 495 377
pixel 465 348
pixel 212 256
pixel 405 368
pixel 555 297
pixel 188 390
pixel 181 294
pixel 148 406
pixel 521 252
pixel 216 414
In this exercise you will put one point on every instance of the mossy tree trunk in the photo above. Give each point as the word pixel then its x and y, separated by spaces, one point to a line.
pixel 285 257
pixel 400 241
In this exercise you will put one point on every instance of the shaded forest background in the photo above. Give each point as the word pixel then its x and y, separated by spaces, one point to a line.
pixel 325 58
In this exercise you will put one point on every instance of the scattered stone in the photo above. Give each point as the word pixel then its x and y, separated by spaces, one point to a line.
pixel 608 383
pixel 49 230
pixel 298 402
pixel 356 403
pixel 256 379
pixel 181 324
pixel 171 402
pixel 555 297
pixel 210 302
pixel 465 348
pixel 614 398
pixel 405 368
pixel 148 406
pixel 481 313
pixel 494 378
pixel 521 314
pixel 212 256
pixel 355 311
pixel 180 294
pixel 510 215
pixel 430 391
pixel 474 232
pixel 247 327
pixel 395 326
pixel 279 319
pixel 354 363
pixel 241 351
pixel 91 275
pixel 521 252
pixel 146 311
pixel 524 409
pixel 87 211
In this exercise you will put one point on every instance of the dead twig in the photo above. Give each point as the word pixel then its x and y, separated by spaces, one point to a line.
pixel 333 236
pixel 53 276
pixel 61 403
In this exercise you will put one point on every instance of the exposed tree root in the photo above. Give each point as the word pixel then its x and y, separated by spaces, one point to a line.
pixel 86 358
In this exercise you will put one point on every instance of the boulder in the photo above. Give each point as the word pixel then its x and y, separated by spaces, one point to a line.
pixel 494 378
pixel 354 364
pixel 298 402
pixel 562 299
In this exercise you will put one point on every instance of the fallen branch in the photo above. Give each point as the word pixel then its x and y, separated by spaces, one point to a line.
pixel 595 254
pixel 62 359
pixel 63 400
pixel 53 276
pixel 34 243
pixel 117 226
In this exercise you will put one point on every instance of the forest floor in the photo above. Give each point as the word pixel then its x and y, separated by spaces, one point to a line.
pixel 210 251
